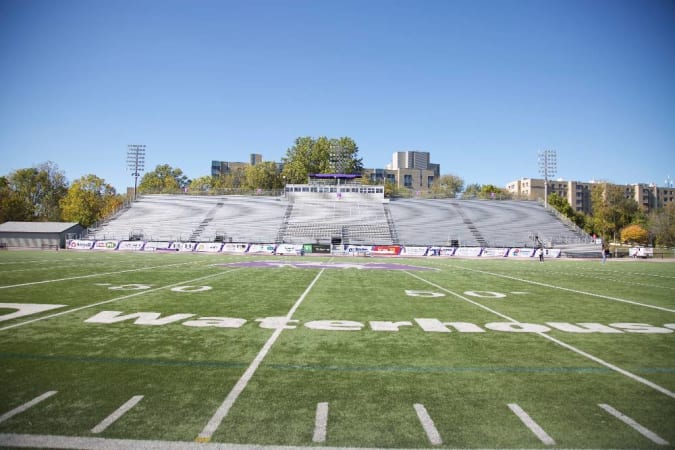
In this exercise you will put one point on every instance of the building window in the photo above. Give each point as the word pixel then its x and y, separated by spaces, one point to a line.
pixel 407 181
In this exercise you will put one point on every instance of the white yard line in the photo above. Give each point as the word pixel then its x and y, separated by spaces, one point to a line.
pixel 320 422
pixel 116 299
pixel 224 408
pixel 18 410
pixel 33 283
pixel 634 425
pixel 117 414
pixel 617 369
pixel 531 424
pixel 562 288
pixel 428 424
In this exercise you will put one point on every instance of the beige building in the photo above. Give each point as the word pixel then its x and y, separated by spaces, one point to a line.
pixel 578 194
pixel 410 170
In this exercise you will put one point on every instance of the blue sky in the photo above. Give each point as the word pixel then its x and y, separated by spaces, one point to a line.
pixel 481 85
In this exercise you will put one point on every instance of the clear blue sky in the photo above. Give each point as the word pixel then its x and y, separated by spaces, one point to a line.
pixel 481 85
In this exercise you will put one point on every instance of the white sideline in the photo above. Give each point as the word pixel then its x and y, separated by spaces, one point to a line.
pixel 97 443
pixel 116 299
pixel 428 424
pixel 25 406
pixel 320 422
pixel 655 438
pixel 624 372
pixel 575 291
pixel 119 412
pixel 224 408
pixel 531 424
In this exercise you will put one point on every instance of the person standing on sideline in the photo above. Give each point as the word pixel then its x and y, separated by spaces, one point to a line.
pixel 541 254
pixel 605 251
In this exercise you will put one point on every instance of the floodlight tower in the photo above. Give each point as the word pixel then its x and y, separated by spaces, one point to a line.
pixel 136 162
pixel 547 168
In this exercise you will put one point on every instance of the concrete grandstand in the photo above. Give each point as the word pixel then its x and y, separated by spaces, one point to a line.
pixel 352 219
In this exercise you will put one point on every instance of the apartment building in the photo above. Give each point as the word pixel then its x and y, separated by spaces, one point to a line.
pixel 578 194
pixel 408 169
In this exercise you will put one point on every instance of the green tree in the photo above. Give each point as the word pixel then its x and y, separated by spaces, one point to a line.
pixel 472 191
pixel 309 155
pixel 612 210
pixel 202 185
pixel 90 199
pixel 263 176
pixel 447 186
pixel 163 180
pixel 34 193
pixel 662 225
pixel 12 206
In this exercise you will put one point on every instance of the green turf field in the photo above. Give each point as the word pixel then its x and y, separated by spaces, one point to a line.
pixel 120 350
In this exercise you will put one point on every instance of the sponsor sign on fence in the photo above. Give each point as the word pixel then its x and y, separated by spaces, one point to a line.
pixel 267 249
pixel 106 245
pixel 468 251
pixel 235 248
pixel 522 252
pixel 441 251
pixel 386 250
pixel 183 246
pixel 495 252
pixel 131 245
pixel 414 251
pixel 76 244
pixel 209 247
pixel 152 246
pixel 288 249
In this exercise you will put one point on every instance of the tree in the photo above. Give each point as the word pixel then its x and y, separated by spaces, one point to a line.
pixel 634 234
pixel 90 199
pixel 263 176
pixel 163 180
pixel 662 225
pixel 472 191
pixel 12 206
pixel 612 210
pixel 309 155
pixel 447 186
pixel 202 185
pixel 34 193
pixel 490 191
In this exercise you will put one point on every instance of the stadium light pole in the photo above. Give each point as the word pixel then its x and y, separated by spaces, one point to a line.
pixel 136 162
pixel 547 168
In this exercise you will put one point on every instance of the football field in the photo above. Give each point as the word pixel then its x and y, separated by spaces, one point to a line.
pixel 147 350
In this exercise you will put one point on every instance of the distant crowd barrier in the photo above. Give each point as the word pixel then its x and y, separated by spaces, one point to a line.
pixel 302 249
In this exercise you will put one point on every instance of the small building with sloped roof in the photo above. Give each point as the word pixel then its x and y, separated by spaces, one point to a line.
pixel 38 234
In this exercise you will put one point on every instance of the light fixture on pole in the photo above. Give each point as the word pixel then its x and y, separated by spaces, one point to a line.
pixel 547 168
pixel 136 162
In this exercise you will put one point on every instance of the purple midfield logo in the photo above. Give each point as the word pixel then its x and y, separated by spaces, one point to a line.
pixel 324 265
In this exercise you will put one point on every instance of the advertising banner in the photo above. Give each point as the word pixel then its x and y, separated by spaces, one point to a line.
pixel 319 248
pixel 359 250
pixel 289 249
pixel 152 246
pixel 106 245
pixel 209 247
pixel 468 251
pixel 495 252
pixel 441 251
pixel 234 248
pixel 338 250
pixel 552 253
pixel 267 249
pixel 183 246
pixel 386 250
pixel 522 252
pixel 76 244
pixel 414 251
pixel 135 246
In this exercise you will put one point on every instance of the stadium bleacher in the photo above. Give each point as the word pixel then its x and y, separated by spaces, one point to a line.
pixel 365 221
